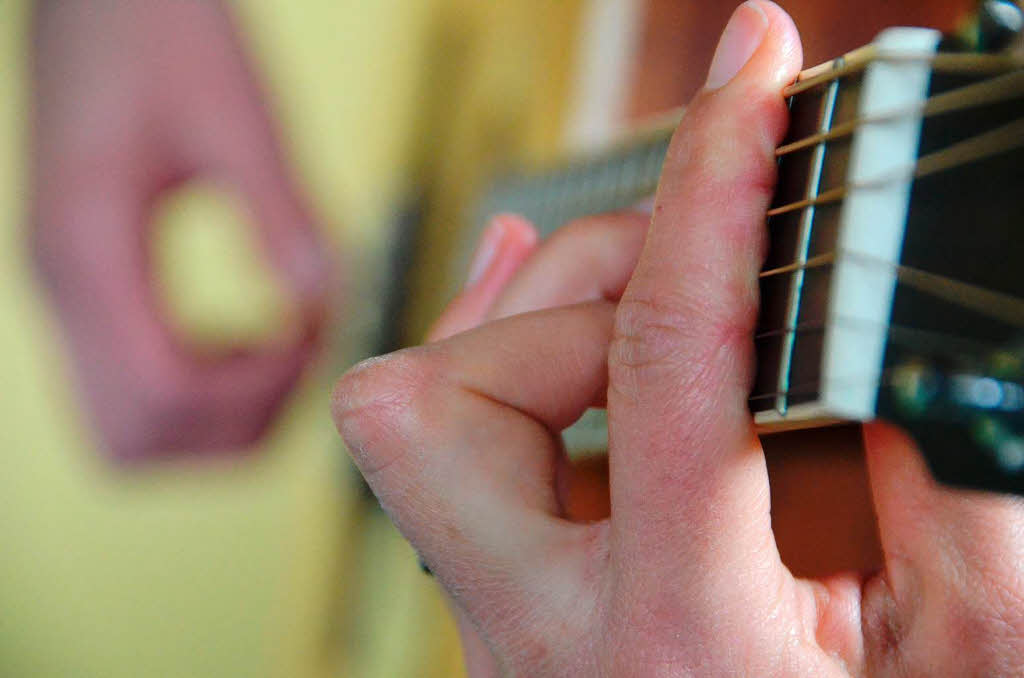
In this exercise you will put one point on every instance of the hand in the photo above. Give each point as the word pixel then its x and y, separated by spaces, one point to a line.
pixel 133 98
pixel 459 440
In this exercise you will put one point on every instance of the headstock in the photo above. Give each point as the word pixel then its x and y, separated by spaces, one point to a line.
pixel 896 233
pixel 966 413
pixel 954 367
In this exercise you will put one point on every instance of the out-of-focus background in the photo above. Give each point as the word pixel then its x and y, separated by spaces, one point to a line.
pixel 395 115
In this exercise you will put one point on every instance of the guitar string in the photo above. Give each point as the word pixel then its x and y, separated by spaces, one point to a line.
pixel 930 342
pixel 886 376
pixel 937 344
pixel 814 388
pixel 981 63
pixel 974 148
pixel 969 150
pixel 994 304
pixel 993 90
pixel 998 305
pixel 990 91
pixel 934 343
pixel 812 262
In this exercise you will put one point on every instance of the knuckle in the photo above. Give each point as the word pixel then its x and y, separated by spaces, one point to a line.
pixel 653 333
pixel 646 334
pixel 382 402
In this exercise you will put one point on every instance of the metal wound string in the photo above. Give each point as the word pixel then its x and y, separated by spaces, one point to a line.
pixel 993 303
pixel 994 90
pixel 978 147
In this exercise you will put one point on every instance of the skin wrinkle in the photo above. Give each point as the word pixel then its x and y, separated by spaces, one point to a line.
pixel 388 498
pixel 610 245
pixel 707 170
pixel 996 623
pixel 542 482
pixel 709 183
pixel 633 330
pixel 697 436
pixel 881 628
pixel 694 581
pixel 366 411
pixel 645 341
pixel 833 622
pixel 545 638
pixel 557 423
pixel 599 228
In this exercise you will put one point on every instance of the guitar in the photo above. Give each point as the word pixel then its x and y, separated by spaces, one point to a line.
pixel 888 290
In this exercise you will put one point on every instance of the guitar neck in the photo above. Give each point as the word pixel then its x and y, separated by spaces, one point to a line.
pixel 614 179
pixel 852 190
pixel 828 113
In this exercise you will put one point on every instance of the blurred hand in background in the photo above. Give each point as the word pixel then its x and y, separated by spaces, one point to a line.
pixel 131 100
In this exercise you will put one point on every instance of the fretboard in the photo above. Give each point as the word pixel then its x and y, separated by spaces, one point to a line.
pixel 588 184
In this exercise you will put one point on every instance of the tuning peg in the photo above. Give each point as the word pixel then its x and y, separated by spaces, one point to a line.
pixel 995 25
pixel 1000 22
pixel 968 420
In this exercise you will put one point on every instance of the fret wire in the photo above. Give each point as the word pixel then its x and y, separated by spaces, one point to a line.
pixel 961 153
pixel 999 88
pixel 810 389
pixel 825 112
pixel 974 148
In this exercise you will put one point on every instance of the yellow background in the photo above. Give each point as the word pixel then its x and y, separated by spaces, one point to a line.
pixel 275 565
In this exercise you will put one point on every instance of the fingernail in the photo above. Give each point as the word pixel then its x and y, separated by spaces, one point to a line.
pixel 486 251
pixel 741 38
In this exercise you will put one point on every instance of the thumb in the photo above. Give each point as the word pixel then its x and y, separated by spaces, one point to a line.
pixel 688 479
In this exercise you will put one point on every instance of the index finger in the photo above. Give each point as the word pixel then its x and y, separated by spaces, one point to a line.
pixel 688 479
